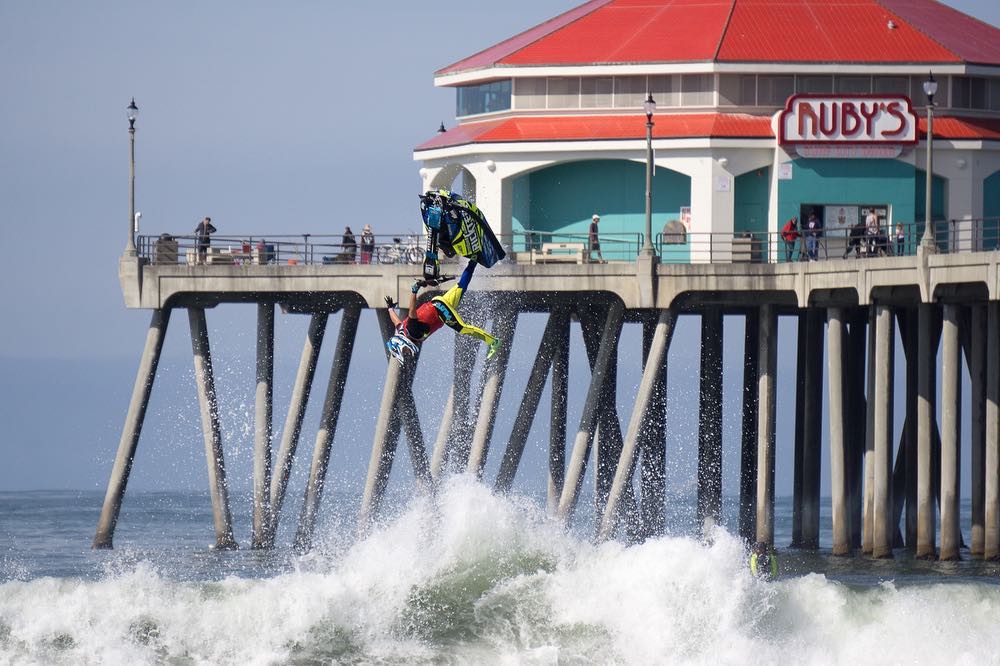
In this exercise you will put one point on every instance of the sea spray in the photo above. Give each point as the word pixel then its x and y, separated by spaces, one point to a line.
pixel 467 576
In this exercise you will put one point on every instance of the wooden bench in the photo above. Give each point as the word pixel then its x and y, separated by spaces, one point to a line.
pixel 556 252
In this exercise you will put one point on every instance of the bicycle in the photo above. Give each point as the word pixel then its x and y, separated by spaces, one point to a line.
pixel 399 252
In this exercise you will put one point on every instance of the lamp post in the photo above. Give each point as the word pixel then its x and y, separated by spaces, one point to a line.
pixel 650 107
pixel 930 88
pixel 133 113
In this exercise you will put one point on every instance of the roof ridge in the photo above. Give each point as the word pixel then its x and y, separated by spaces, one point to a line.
pixel 917 28
pixel 625 43
pixel 553 24
pixel 725 29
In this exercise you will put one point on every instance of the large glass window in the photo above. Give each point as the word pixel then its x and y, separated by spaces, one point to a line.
pixel 483 98
pixel 529 93
pixel 596 92
pixel 970 92
pixel 630 91
pixel 730 91
pixel 854 85
pixel 994 94
pixel 697 89
pixel 748 90
pixel 815 84
pixel 665 90
pixel 564 92
pixel 891 85
pixel 774 90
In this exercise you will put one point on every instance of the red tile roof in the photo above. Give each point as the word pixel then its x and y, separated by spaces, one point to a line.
pixel 656 31
pixel 698 125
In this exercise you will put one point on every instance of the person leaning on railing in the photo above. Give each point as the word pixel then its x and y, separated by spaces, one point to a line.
pixel 790 234
pixel 202 233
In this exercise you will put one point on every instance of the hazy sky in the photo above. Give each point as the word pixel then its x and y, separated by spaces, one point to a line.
pixel 269 117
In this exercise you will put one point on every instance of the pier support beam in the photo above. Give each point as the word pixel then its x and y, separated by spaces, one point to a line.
pixel 205 380
pixel 951 410
pixel 748 448
pixel 927 341
pixel 812 427
pixel 838 440
pixel 857 423
pixel 909 332
pixel 557 417
pixel 885 531
pixel 991 531
pixel 588 420
pixel 801 343
pixel 710 419
pixel 767 376
pixel 975 350
pixel 327 425
pixel 868 511
pixel 451 449
pixel 263 410
pixel 134 418
pixel 495 371
pixel 652 436
pixel 293 420
pixel 642 418
pixel 558 319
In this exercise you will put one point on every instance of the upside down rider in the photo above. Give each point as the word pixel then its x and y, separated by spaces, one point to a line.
pixel 422 320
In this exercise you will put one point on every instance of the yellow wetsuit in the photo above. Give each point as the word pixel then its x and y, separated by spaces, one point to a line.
pixel 447 307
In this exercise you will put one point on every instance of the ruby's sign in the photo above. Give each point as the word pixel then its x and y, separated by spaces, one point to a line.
pixel 847 120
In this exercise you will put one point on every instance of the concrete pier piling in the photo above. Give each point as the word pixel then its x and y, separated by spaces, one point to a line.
pixel 767 371
pixel 263 411
pixel 652 434
pixel 710 418
pixel 991 530
pixel 557 417
pixel 868 464
pixel 909 332
pixel 812 427
pixel 327 425
pixel 801 338
pixel 134 418
pixel 748 447
pixel 975 345
pixel 205 382
pixel 926 406
pixel 495 371
pixel 451 449
pixel 884 530
pixel 857 424
pixel 951 408
pixel 838 440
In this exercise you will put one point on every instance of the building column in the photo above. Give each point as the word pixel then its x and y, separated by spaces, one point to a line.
pixel 951 410
pixel 710 418
pixel 767 376
pixel 134 419
pixel 748 449
pixel 838 441
pixel 926 407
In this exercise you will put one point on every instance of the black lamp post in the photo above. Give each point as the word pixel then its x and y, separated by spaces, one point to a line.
pixel 649 106
pixel 133 113
pixel 930 88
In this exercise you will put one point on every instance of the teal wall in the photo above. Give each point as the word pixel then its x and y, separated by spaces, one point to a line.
pixel 752 200
pixel 991 209
pixel 562 198
pixel 860 181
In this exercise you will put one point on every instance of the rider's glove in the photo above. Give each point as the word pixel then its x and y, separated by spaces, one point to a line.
pixel 389 303
pixel 415 287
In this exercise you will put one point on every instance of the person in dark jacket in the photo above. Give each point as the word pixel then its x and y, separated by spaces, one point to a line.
pixel 855 239
pixel 202 235
pixel 790 234
pixel 350 246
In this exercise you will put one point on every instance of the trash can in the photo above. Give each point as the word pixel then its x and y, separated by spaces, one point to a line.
pixel 165 250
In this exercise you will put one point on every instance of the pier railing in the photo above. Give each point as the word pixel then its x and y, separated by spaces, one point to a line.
pixel 678 247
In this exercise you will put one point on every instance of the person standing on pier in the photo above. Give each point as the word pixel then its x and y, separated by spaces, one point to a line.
pixel 421 321
pixel 790 234
pixel 367 244
pixel 350 246
pixel 594 241
pixel 202 234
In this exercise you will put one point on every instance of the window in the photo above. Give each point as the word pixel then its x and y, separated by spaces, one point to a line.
pixel 919 98
pixel 891 85
pixel 748 90
pixel 529 93
pixel 483 98
pixel 994 94
pixel 774 90
pixel 564 92
pixel 696 90
pixel 971 92
pixel 665 90
pixel 630 91
pixel 595 92
pixel 730 90
pixel 856 85
pixel 815 84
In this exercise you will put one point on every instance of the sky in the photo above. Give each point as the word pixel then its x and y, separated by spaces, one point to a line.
pixel 268 117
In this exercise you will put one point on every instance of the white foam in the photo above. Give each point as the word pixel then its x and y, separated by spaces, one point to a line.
pixel 477 578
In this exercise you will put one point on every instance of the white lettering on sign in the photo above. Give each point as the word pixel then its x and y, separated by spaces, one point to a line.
pixel 847 120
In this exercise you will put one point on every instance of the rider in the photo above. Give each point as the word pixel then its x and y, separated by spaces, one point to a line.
pixel 428 317
pixel 763 561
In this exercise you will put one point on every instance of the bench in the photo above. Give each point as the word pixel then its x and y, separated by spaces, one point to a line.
pixel 556 252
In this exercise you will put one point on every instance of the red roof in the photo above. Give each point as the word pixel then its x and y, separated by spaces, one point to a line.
pixel 656 31
pixel 698 125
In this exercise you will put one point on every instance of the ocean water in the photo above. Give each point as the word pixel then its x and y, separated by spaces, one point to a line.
pixel 465 576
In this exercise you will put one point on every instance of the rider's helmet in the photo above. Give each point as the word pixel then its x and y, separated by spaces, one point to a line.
pixel 400 347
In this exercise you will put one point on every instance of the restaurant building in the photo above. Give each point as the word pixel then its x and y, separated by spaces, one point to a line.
pixel 764 111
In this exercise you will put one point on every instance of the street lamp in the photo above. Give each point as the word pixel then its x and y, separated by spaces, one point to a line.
pixel 133 113
pixel 930 88
pixel 649 106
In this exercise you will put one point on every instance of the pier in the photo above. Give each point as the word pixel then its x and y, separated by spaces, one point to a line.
pixel 884 494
